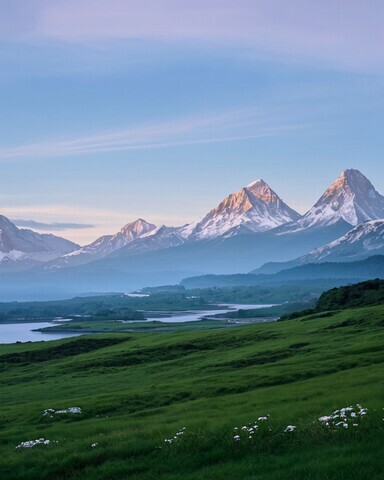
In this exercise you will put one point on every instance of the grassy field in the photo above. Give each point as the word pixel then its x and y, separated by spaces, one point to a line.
pixel 136 390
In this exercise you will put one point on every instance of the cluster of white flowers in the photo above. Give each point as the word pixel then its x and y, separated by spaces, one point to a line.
pixel 33 443
pixel 176 436
pixel 94 445
pixel 247 431
pixel 344 417
pixel 50 412
pixel 290 428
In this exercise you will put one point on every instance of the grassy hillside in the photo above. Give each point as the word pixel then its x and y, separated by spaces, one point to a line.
pixel 136 390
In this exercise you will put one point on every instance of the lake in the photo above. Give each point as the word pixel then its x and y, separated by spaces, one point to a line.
pixel 23 332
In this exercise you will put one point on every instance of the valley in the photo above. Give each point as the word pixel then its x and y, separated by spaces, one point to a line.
pixel 135 391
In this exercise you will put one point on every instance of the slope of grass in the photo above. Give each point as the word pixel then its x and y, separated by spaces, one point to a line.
pixel 136 390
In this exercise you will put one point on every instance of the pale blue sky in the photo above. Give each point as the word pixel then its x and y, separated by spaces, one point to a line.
pixel 118 109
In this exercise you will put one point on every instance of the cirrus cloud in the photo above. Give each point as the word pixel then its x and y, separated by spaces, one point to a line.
pixel 335 33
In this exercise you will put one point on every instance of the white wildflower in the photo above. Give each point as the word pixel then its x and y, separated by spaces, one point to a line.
pixel 50 411
pixel 33 443
pixel 290 428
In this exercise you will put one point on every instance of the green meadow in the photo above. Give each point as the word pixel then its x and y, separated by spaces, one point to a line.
pixel 136 390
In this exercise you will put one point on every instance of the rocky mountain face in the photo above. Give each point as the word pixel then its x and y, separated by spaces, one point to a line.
pixel 24 248
pixel 255 208
pixel 351 199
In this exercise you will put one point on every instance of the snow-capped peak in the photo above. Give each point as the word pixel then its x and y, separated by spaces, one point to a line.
pixel 109 243
pixel 254 208
pixel 257 183
pixel 351 198
pixel 135 229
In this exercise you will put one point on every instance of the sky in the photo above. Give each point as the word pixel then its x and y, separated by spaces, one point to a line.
pixel 113 110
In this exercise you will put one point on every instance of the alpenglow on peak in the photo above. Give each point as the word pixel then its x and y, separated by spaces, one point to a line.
pixel 254 208
pixel 350 198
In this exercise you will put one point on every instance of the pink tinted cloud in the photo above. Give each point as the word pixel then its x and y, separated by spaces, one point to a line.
pixel 338 32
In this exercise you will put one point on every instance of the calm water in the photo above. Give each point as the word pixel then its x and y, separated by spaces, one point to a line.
pixel 23 332
pixel 198 315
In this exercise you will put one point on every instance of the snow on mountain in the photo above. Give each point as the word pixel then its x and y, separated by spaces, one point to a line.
pixel 108 243
pixel 351 198
pixel 104 245
pixel 255 208
pixel 364 240
pixel 24 248
pixel 159 238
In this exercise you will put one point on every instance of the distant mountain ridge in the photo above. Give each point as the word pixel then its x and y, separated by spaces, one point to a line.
pixel 372 267
pixel 22 248
pixel 363 241
pixel 253 210
pixel 104 245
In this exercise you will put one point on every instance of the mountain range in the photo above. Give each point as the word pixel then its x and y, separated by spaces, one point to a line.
pixel 245 230
pixel 23 248
pixel 350 200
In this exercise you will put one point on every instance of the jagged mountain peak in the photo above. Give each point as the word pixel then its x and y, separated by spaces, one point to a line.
pixel 351 198
pixel 353 183
pixel 108 243
pixel 257 183
pixel 137 228
pixel 261 190
pixel 255 207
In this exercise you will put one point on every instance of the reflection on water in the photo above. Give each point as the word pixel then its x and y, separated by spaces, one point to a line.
pixel 23 332
pixel 198 315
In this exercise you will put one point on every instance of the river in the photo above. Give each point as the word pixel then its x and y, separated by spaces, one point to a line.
pixel 25 332
pixel 198 315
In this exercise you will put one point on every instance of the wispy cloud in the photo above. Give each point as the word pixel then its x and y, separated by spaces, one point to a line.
pixel 336 32
pixel 226 127
pixel 51 226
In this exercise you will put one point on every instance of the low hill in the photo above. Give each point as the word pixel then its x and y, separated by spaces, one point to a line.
pixel 372 267
pixel 362 294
